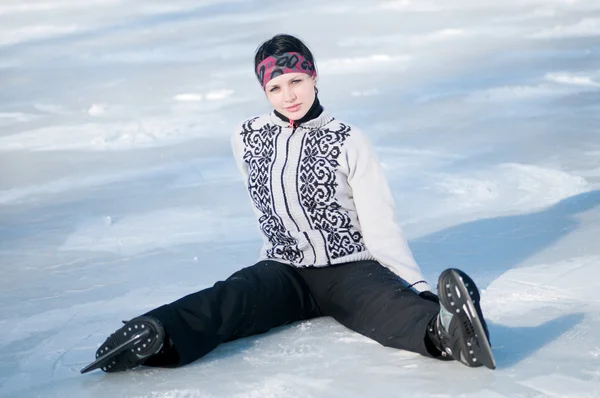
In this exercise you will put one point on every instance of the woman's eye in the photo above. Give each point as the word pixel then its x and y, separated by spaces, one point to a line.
pixel 272 90
pixel 296 81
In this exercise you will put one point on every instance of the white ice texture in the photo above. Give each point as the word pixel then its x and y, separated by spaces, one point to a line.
pixel 118 192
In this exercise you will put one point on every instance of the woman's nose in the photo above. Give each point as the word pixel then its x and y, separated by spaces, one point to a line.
pixel 289 95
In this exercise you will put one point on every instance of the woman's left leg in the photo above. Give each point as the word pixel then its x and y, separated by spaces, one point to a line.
pixel 373 301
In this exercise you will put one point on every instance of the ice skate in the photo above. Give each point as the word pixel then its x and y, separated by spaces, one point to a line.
pixel 459 330
pixel 129 346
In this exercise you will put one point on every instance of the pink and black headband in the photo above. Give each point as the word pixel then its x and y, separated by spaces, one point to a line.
pixel 277 65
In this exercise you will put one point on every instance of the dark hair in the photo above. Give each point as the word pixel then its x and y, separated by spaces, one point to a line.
pixel 280 44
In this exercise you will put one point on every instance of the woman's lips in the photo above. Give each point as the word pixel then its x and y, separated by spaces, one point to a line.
pixel 294 108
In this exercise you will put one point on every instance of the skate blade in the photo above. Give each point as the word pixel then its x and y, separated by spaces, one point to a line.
pixel 102 360
pixel 487 357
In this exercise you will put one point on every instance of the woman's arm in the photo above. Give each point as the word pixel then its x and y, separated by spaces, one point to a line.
pixel 376 211
pixel 237 146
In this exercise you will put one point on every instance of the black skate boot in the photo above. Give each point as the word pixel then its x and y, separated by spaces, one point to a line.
pixel 130 346
pixel 459 330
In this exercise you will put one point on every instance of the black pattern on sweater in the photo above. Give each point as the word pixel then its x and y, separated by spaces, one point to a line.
pixel 317 189
pixel 260 154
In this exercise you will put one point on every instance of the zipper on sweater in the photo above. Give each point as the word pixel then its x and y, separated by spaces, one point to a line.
pixel 284 171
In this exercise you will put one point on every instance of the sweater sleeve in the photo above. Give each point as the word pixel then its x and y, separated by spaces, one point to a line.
pixel 376 212
pixel 237 146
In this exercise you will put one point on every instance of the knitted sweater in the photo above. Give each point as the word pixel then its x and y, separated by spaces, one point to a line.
pixel 320 195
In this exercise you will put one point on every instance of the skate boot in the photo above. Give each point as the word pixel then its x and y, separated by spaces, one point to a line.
pixel 459 330
pixel 130 346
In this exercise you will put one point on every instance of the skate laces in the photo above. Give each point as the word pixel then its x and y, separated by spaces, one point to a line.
pixel 416 283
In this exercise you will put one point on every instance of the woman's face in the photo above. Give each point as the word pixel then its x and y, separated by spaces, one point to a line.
pixel 291 94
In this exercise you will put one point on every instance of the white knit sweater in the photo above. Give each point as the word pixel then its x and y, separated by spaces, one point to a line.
pixel 320 195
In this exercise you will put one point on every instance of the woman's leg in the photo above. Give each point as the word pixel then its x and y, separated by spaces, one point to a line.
pixel 251 301
pixel 373 301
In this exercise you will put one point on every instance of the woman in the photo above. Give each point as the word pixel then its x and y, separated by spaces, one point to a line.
pixel 331 245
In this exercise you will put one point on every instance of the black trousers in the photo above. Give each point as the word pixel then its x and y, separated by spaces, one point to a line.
pixel 363 296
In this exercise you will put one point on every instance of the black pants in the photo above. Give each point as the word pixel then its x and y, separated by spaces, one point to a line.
pixel 363 296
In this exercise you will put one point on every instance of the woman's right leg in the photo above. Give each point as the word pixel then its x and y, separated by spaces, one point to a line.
pixel 251 301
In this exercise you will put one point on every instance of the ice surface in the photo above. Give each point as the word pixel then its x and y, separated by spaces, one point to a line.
pixel 118 192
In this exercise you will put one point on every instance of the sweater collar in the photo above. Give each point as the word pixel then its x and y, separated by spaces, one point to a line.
pixel 316 117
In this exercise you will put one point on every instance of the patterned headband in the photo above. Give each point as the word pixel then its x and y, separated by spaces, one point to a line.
pixel 277 65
